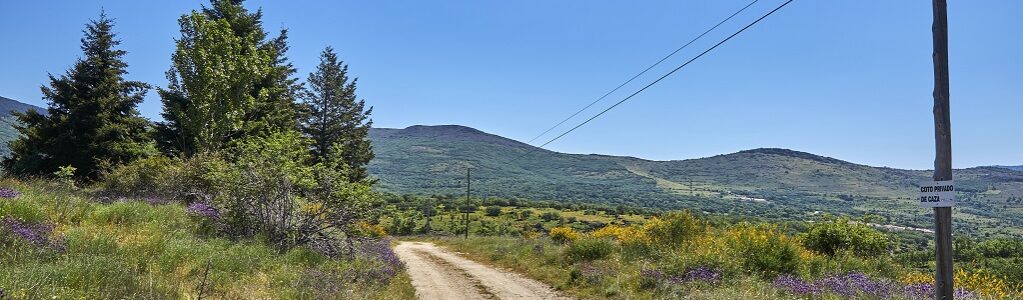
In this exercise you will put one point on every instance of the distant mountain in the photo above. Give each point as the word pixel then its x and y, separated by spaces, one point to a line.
pixel 776 183
pixel 8 105
pixel 1017 168
pixel 7 121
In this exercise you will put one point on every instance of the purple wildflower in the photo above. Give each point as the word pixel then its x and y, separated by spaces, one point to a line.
pixel 963 294
pixel 653 274
pixel 8 193
pixel 857 284
pixel 35 234
pixel 704 274
pixel 919 291
pixel 380 250
pixel 204 210
pixel 923 291
pixel 794 285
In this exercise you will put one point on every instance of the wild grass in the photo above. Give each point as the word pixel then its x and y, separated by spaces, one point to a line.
pixel 678 256
pixel 138 250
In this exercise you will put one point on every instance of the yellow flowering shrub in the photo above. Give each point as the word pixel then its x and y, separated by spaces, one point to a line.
pixel 563 234
pixel 985 284
pixel 622 234
pixel 915 278
pixel 764 249
pixel 371 230
pixel 674 229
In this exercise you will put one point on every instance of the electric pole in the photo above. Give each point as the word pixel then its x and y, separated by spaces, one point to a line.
pixel 468 184
pixel 943 276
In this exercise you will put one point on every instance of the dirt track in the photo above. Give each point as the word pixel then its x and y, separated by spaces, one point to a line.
pixel 439 274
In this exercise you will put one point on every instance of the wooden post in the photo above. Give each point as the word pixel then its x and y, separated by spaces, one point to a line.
pixel 943 276
pixel 468 182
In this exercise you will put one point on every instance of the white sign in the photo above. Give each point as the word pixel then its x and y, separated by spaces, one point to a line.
pixel 937 194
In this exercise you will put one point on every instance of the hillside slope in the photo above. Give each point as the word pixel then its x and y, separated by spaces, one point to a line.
pixel 775 183
pixel 7 121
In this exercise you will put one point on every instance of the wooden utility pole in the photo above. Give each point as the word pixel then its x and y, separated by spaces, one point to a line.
pixel 943 276
pixel 468 183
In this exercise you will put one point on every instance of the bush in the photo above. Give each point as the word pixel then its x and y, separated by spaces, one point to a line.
pixel 764 249
pixel 674 228
pixel 588 249
pixel 832 237
pixel 563 235
pixel 550 216
pixel 493 211
pixel 272 190
pixel 143 177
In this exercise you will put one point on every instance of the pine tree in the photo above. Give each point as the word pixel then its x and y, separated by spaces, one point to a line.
pixel 228 81
pixel 335 119
pixel 92 122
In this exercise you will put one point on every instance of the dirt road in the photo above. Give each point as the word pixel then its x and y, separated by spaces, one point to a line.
pixel 439 274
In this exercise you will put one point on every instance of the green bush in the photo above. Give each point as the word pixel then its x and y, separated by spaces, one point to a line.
pixel 834 236
pixel 143 177
pixel 493 211
pixel 272 189
pixel 588 249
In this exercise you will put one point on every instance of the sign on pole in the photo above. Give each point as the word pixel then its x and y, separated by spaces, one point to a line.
pixel 937 194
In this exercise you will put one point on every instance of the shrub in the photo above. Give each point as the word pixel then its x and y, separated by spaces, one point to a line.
pixel 674 228
pixel 270 189
pixel 143 177
pixel 588 249
pixel 764 249
pixel 563 235
pixel 550 216
pixel 832 237
pixel 493 211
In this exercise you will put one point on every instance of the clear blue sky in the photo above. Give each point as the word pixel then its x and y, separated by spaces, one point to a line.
pixel 847 79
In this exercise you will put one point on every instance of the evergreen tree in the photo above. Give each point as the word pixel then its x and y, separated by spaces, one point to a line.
pixel 228 81
pixel 92 122
pixel 335 119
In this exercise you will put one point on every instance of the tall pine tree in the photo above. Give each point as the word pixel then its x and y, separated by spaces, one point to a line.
pixel 228 81
pixel 92 122
pixel 335 119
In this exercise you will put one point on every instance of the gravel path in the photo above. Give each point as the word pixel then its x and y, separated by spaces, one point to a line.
pixel 439 274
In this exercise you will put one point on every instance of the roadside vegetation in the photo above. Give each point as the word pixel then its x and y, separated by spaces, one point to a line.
pixel 63 242
pixel 602 252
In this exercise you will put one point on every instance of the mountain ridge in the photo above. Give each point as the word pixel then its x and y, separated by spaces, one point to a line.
pixel 770 182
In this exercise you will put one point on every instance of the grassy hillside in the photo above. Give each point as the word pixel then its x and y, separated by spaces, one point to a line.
pixel 774 183
pixel 7 131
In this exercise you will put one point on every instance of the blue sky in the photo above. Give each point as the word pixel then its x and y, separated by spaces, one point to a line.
pixel 847 79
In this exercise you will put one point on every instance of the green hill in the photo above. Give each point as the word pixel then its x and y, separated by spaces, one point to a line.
pixel 772 183
pixel 7 121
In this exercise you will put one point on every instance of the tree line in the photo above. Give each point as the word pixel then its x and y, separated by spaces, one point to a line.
pixel 252 150
pixel 230 81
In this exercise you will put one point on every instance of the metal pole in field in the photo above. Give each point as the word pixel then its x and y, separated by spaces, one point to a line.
pixel 468 183
pixel 943 276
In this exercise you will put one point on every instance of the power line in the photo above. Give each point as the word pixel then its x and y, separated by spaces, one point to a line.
pixel 668 74
pixel 643 72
